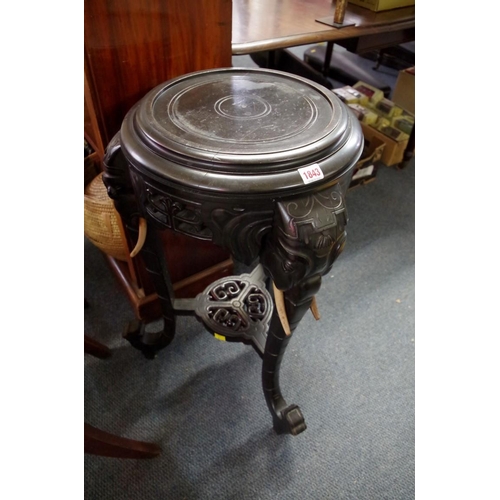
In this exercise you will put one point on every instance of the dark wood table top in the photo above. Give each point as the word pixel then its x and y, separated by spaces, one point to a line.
pixel 273 24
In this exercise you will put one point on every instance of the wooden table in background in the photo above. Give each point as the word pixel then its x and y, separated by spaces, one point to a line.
pixel 260 25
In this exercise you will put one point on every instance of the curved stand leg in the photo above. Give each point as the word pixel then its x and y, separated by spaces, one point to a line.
pixel 308 235
pixel 286 418
pixel 149 343
pixel 118 182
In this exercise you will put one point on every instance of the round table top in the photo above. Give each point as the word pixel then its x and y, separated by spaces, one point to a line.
pixel 241 130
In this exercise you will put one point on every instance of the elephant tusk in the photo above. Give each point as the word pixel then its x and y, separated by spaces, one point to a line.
pixel 141 238
pixel 279 299
pixel 314 309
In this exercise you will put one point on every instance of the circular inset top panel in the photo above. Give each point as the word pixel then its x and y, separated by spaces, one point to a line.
pixel 236 122
pixel 234 113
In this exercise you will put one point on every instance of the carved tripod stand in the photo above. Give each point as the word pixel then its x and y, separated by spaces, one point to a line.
pixel 271 213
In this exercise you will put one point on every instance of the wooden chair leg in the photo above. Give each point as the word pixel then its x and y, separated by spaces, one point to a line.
pixel 104 444
pixel 96 348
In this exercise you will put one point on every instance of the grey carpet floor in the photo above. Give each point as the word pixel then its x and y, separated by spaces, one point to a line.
pixel 352 373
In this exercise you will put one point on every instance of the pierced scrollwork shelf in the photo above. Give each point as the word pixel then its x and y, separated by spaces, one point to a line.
pixel 234 307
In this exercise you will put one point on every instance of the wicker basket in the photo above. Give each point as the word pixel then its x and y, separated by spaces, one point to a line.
pixel 101 224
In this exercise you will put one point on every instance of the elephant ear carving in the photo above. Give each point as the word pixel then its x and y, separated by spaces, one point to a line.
pixel 241 231
pixel 308 235
pixel 115 176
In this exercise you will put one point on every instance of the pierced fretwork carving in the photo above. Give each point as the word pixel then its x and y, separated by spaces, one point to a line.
pixel 237 306
pixel 171 212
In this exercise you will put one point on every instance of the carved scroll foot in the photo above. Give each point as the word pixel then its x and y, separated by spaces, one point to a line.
pixel 295 423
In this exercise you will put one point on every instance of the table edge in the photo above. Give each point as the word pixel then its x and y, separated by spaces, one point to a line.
pixel 332 34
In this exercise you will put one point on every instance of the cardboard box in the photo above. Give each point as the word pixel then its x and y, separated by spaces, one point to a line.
pixel 405 123
pixel 365 169
pixel 393 151
pixel 378 5
pixel 373 94
pixel 365 115
pixel 404 91
pixel 350 95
